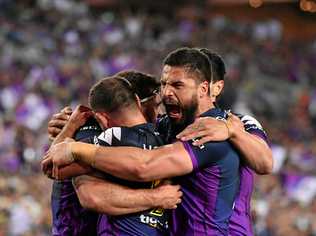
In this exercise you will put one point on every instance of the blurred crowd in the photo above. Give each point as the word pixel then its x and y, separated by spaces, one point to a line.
pixel 52 51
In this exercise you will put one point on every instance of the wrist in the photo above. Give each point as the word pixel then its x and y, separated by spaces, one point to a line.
pixel 84 152
pixel 70 129
pixel 154 196
pixel 235 129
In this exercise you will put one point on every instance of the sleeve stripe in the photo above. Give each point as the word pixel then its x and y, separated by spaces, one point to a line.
pixel 191 154
pixel 261 135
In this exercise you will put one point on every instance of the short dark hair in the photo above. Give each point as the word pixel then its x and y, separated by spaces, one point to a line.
pixel 144 85
pixel 111 94
pixel 217 63
pixel 192 58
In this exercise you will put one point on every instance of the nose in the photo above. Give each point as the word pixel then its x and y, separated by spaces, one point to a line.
pixel 167 91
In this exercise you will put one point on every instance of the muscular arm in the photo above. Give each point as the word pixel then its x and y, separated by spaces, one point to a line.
pixel 253 148
pixel 105 197
pixel 124 162
pixel 77 119
pixel 134 163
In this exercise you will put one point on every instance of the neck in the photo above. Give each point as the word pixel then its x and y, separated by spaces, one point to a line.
pixel 128 118
pixel 204 105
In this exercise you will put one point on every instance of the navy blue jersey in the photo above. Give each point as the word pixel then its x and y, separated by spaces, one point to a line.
pixel 150 222
pixel 69 218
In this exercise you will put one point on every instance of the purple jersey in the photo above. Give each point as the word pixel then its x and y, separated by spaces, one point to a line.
pixel 69 218
pixel 240 223
pixel 210 190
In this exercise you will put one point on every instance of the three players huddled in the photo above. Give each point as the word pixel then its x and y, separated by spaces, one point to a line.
pixel 118 160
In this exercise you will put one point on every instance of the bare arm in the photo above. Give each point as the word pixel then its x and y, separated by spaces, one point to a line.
pixel 77 119
pixel 124 162
pixel 254 149
pixel 68 126
pixel 137 164
pixel 105 197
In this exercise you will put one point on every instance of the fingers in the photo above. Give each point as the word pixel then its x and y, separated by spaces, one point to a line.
pixel 203 140
pixel 46 166
pixel 194 135
pixel 57 123
pixel 66 110
pixel 180 194
pixel 55 172
pixel 53 132
pixel 188 130
pixel 199 124
pixel 60 116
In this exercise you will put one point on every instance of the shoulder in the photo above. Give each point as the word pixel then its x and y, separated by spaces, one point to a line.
pixel 253 126
pixel 89 129
pixel 111 135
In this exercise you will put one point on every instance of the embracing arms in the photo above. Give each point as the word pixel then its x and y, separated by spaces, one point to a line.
pixel 108 198
pixel 246 135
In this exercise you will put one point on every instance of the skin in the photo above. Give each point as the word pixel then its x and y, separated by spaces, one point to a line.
pixel 254 149
pixel 97 194
pixel 179 87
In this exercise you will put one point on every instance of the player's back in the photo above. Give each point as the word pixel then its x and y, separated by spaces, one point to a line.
pixel 152 222
pixel 209 191
pixel 69 217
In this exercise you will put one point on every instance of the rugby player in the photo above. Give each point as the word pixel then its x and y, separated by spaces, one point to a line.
pixel 245 133
pixel 69 218
pixel 211 172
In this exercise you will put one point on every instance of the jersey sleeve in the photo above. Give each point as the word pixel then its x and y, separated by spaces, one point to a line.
pixel 208 154
pixel 253 126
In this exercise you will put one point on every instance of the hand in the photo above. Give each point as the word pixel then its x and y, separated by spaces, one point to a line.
pixel 57 156
pixel 168 196
pixel 79 117
pixel 58 121
pixel 210 129
pixel 73 170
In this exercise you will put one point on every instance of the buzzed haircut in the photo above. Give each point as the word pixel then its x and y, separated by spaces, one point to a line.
pixel 193 59
pixel 111 94
pixel 144 85
pixel 217 64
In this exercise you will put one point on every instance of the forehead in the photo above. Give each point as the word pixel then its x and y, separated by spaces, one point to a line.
pixel 176 73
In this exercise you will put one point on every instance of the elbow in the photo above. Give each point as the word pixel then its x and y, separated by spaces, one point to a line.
pixel 91 201
pixel 267 167
pixel 86 199
pixel 141 173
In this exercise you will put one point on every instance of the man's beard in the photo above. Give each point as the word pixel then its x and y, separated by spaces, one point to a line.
pixel 188 116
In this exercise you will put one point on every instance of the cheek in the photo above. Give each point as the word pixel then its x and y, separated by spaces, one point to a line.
pixel 186 97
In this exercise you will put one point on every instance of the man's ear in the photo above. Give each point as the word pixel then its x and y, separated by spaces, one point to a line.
pixel 203 89
pixel 139 105
pixel 216 89
pixel 103 119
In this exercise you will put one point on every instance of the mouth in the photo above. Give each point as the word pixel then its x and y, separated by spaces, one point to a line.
pixel 173 111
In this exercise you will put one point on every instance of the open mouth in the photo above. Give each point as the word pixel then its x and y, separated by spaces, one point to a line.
pixel 173 110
